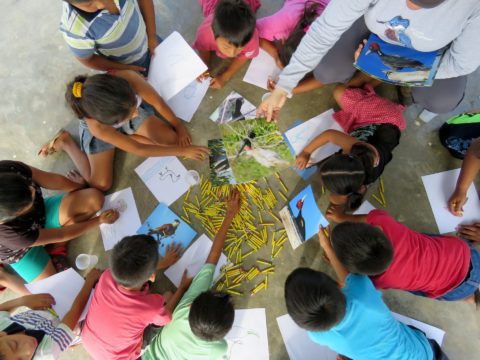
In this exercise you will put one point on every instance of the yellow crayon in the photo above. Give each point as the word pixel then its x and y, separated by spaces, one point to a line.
pixel 377 199
pixel 277 252
pixel 233 292
pixel 382 189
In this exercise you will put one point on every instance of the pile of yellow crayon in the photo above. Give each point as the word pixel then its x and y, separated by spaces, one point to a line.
pixel 380 198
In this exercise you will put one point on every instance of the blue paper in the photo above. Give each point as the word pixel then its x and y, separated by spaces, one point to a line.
pixel 167 228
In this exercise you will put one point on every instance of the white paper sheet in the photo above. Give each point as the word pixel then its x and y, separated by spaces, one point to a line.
pixel 248 337
pixel 193 259
pixel 187 101
pixel 128 222
pixel 301 135
pixel 364 209
pixel 261 69
pixel 165 177
pixel 439 188
pixel 301 347
pixel 64 287
pixel 174 66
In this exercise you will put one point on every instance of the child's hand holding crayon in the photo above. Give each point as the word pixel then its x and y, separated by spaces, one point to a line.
pixel 109 216
pixel 302 160
pixel 324 237
pixel 456 202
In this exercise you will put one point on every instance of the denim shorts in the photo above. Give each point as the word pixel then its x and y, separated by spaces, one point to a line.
pixel 91 145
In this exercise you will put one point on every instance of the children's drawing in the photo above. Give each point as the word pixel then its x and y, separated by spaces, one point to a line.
pixel 240 336
pixel 302 217
pixel 187 101
pixel 165 177
pixel 234 107
pixel 220 171
pixel 255 148
pixel 120 205
pixel 167 228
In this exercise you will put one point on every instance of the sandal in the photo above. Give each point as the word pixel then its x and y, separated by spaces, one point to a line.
pixel 59 258
pixel 49 146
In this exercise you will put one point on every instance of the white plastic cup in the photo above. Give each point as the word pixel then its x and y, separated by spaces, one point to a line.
pixel 85 261
pixel 192 177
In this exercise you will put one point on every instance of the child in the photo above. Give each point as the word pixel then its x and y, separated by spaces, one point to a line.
pixel 106 105
pixel 396 257
pixel 374 126
pixel 281 33
pixel 122 305
pixel 228 30
pixel 91 29
pixel 352 320
pixel 29 221
pixel 37 334
pixel 203 317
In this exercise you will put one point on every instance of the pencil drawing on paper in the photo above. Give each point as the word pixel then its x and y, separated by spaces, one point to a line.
pixel 167 173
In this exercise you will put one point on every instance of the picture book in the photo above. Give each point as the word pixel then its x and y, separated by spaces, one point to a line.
pixel 254 148
pixel 220 171
pixel 302 217
pixel 234 107
pixel 398 65
pixel 167 228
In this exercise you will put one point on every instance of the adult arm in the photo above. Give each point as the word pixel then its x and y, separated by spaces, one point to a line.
pixel 470 168
pixel 148 13
pixel 54 181
pixel 326 245
pixel 73 315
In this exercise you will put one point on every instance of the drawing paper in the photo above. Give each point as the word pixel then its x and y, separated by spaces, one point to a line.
pixel 300 136
pixel 174 66
pixel 255 148
pixel 302 217
pixel 399 65
pixel 439 188
pixel 220 171
pixel 193 259
pixel 364 209
pixel 128 222
pixel 165 177
pixel 63 286
pixel 431 331
pixel 304 173
pixel 187 101
pixel 234 107
pixel 167 227
pixel 261 69
pixel 248 337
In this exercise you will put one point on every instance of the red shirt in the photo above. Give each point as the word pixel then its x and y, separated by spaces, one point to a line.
pixel 431 264
pixel 117 318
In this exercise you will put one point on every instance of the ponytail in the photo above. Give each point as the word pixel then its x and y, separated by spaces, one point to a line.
pixel 73 95
pixel 365 154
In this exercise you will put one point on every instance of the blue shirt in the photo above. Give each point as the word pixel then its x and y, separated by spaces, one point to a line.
pixel 120 37
pixel 369 331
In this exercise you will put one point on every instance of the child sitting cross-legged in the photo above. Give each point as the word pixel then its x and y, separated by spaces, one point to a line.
pixel 38 334
pixel 203 317
pixel 351 319
pixel 397 257
pixel 122 305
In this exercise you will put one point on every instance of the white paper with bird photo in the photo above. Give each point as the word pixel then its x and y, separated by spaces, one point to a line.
pixel 235 107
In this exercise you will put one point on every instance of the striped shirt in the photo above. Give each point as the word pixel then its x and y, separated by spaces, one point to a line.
pixel 119 37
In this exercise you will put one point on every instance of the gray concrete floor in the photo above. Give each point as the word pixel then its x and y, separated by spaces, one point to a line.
pixel 36 65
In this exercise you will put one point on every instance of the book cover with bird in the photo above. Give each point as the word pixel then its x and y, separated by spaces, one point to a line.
pixel 398 65
pixel 302 217
pixel 255 148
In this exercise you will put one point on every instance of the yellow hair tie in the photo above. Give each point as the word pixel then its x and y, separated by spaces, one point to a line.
pixel 77 89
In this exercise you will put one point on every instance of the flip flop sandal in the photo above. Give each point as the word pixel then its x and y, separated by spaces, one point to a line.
pixel 60 262
pixel 49 145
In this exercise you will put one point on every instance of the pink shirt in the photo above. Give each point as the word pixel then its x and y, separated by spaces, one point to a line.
pixel 117 318
pixel 431 264
pixel 280 25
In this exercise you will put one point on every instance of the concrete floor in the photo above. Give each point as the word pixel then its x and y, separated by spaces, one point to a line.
pixel 36 65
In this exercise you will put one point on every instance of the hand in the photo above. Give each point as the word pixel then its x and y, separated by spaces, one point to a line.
pixel 469 232
pixel 218 82
pixel 172 255
pixel 38 301
pixel 456 202
pixel 271 84
pixel 186 281
pixel 136 68
pixel 195 152
pixel 233 203
pixel 152 44
pixel 203 77
pixel 302 160
pixel 270 107
pixel 109 216
pixel 359 50
pixel 184 138
pixel 93 276
pixel 74 175
pixel 324 237
pixel 335 213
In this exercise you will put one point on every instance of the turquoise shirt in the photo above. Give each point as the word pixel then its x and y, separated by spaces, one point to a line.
pixel 369 331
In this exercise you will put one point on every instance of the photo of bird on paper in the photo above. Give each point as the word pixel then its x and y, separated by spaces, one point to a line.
pixel 255 148
pixel 397 64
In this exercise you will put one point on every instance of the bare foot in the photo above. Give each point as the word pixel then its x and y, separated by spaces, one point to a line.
pixel 75 176
pixel 55 144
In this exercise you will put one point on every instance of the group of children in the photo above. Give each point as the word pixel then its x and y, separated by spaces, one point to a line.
pixel 117 109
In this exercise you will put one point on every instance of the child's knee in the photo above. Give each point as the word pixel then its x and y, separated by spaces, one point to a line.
pixel 172 138
pixel 102 185
pixel 96 198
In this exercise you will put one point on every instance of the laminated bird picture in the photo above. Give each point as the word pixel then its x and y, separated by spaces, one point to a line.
pixel 167 228
pixel 220 171
pixel 302 217
pixel 235 107
pixel 254 148
pixel 398 65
